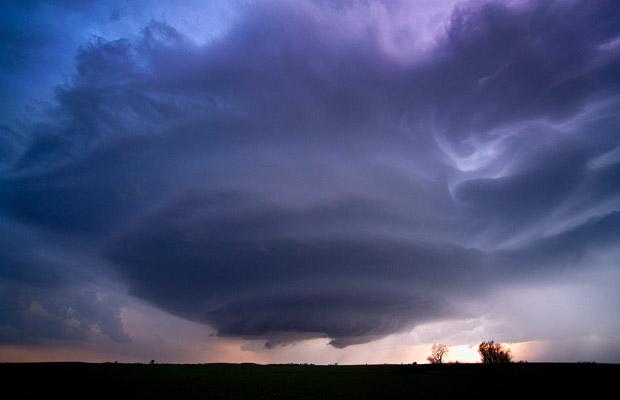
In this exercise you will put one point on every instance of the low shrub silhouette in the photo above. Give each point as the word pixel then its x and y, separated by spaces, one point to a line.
pixel 493 353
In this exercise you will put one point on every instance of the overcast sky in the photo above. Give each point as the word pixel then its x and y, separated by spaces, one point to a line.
pixel 317 181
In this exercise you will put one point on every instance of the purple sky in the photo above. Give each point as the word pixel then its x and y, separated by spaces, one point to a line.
pixel 318 181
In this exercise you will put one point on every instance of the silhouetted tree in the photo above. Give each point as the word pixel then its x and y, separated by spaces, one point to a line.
pixel 493 353
pixel 438 351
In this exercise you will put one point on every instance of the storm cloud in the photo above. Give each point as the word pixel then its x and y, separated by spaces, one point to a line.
pixel 318 170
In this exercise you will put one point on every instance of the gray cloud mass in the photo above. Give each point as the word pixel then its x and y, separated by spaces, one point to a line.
pixel 294 179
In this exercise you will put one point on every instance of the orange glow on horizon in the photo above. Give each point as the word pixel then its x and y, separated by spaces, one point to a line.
pixel 463 353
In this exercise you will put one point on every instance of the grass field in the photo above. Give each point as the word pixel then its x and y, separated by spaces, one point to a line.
pixel 243 381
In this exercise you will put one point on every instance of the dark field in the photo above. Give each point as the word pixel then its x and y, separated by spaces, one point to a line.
pixel 224 381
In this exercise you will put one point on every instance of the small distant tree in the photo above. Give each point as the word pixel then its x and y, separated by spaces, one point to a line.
pixel 493 353
pixel 438 352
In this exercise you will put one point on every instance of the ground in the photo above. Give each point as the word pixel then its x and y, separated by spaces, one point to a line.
pixel 242 381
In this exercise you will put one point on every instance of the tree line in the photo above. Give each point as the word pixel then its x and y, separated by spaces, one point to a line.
pixel 490 353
